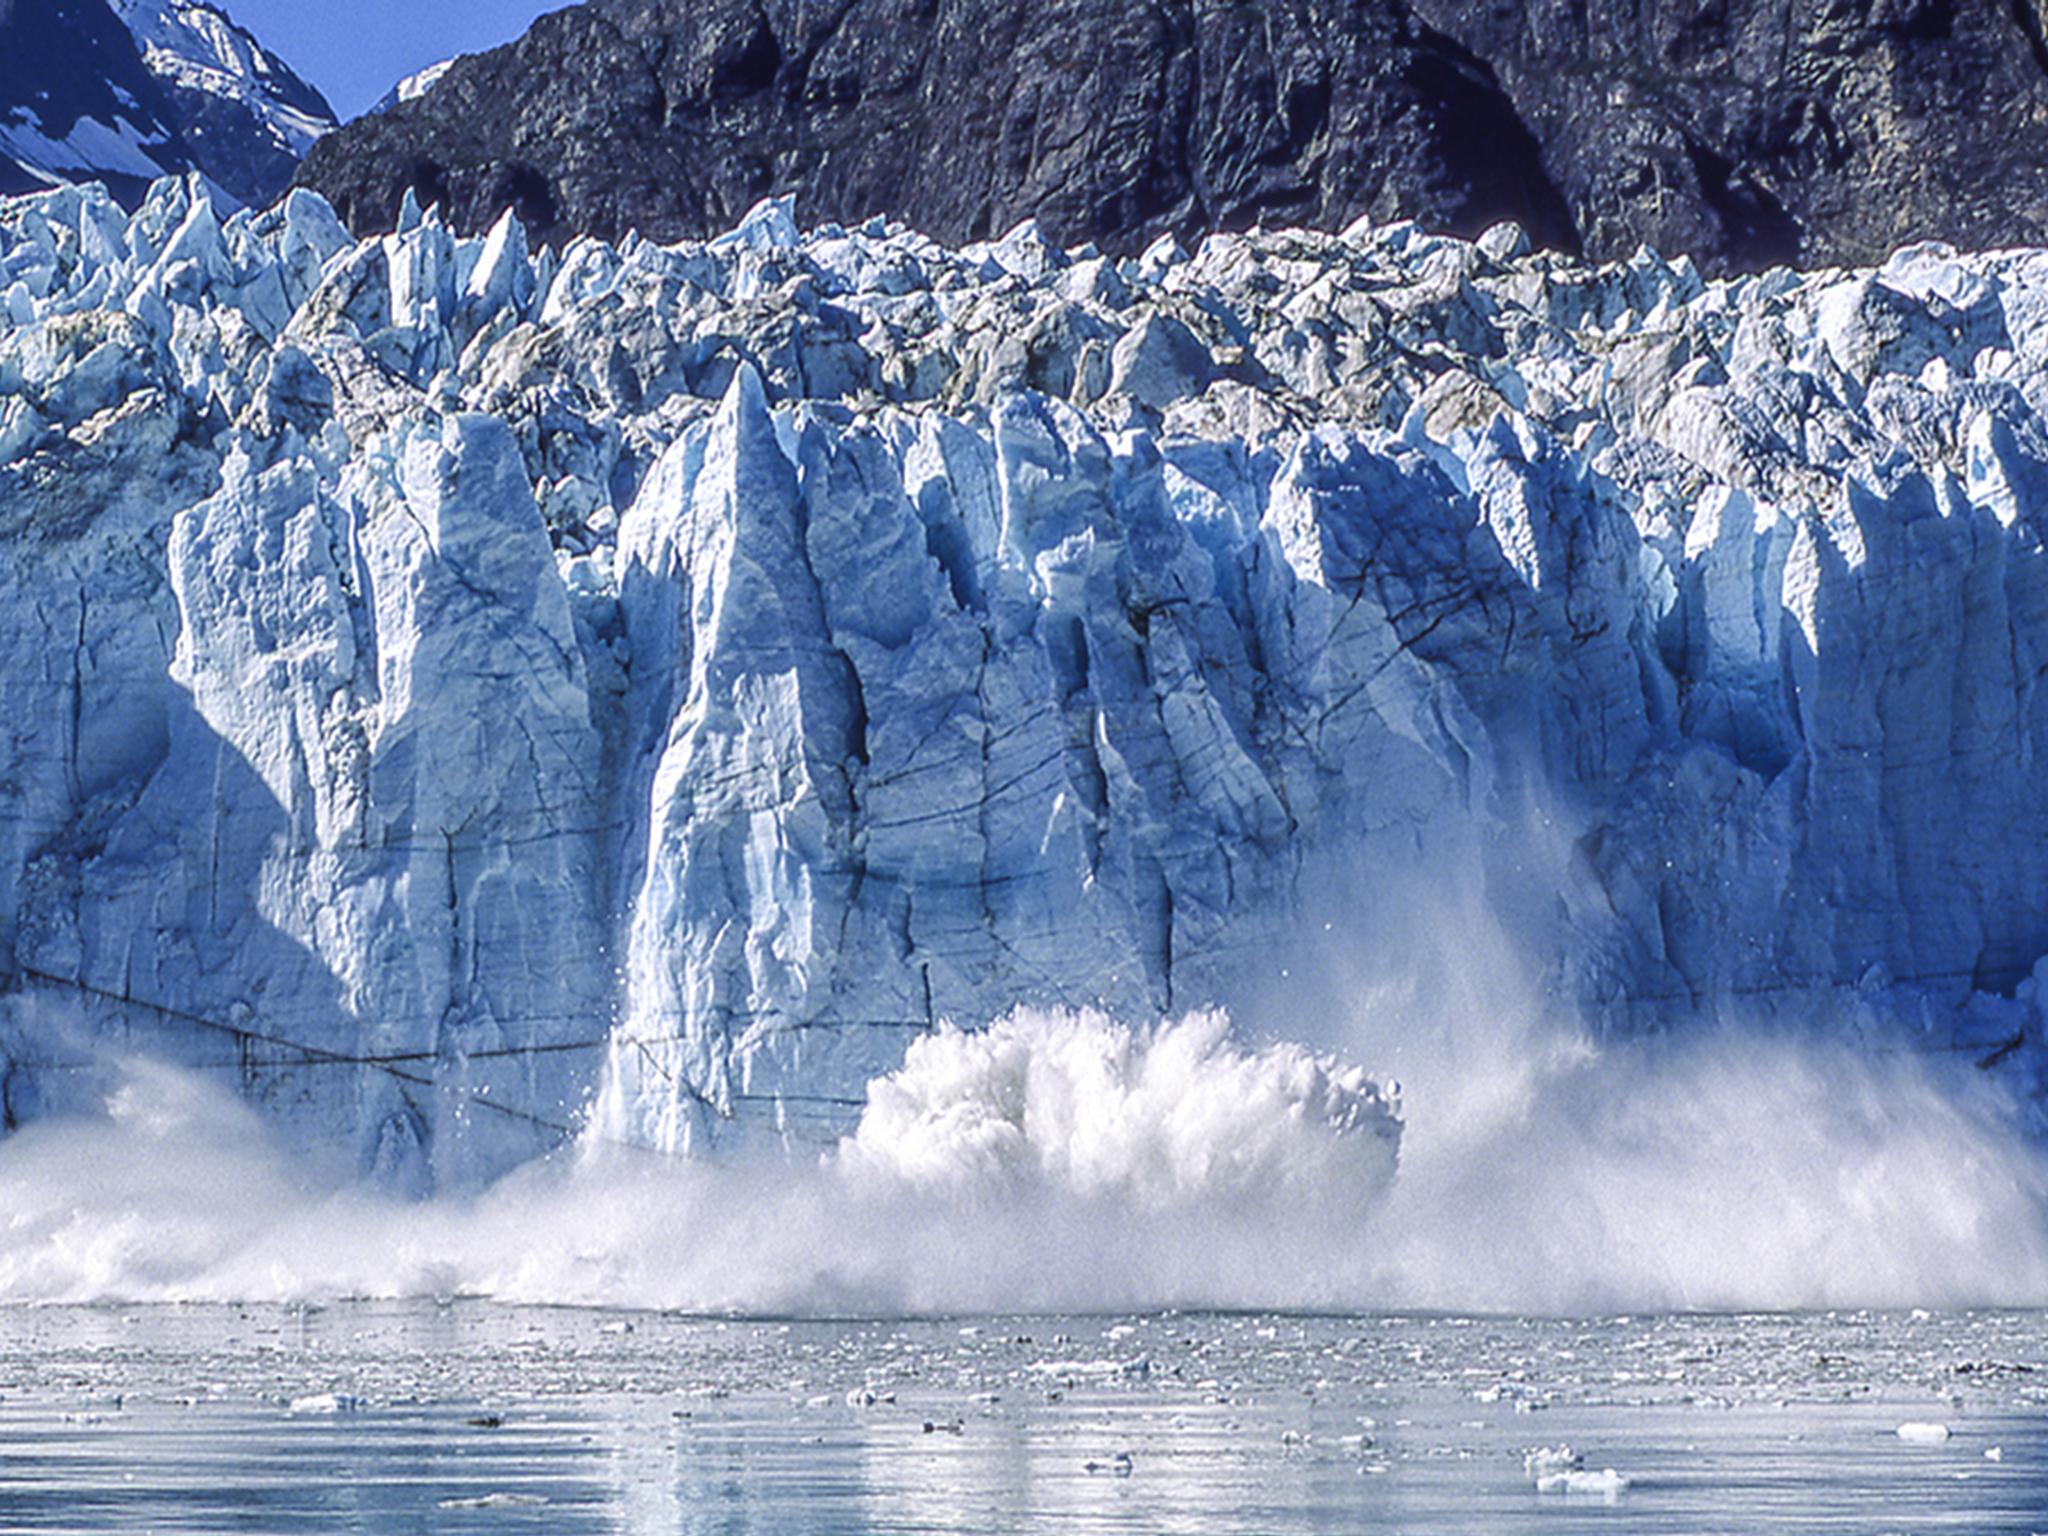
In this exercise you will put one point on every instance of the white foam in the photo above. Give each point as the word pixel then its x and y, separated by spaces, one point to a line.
pixel 1056 1162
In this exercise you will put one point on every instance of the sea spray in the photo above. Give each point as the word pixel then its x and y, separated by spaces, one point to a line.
pixel 1051 1161
pixel 1067 1163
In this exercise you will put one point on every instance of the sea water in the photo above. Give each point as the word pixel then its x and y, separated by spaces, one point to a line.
pixel 468 1415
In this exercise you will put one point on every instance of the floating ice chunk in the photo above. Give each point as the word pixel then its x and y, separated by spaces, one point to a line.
pixel 1918 1433
pixel 496 1501
pixel 1076 1368
pixel 1995 1453
pixel 1545 1460
pixel 327 1402
pixel 1606 1483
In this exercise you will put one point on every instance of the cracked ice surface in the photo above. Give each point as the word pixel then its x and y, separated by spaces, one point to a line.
pixel 450 685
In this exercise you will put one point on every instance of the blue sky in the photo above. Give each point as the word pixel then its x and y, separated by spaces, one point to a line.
pixel 355 50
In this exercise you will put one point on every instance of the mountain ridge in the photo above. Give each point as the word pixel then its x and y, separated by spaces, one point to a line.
pixel 1744 135
pixel 132 90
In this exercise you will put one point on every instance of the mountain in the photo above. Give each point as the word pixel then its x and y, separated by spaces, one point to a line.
pixel 246 117
pixel 130 91
pixel 1106 121
pixel 463 693
pixel 1743 133
pixel 413 86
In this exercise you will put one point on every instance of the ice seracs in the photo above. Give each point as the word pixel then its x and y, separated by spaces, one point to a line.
pixel 471 693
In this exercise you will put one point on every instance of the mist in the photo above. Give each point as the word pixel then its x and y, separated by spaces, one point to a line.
pixel 1070 1163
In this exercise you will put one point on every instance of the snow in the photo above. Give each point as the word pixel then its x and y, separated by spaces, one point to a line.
pixel 196 46
pixel 469 694
pixel 414 86
pixel 91 147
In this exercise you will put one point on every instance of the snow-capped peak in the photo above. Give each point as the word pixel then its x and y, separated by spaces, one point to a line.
pixel 414 86
pixel 193 46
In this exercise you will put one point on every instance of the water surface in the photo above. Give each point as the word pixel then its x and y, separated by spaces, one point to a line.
pixel 476 1416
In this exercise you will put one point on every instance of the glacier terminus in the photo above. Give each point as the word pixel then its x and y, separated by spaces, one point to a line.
pixel 463 694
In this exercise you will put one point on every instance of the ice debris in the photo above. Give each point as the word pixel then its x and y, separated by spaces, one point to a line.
pixel 1606 1483
pixel 1923 1433
pixel 326 1402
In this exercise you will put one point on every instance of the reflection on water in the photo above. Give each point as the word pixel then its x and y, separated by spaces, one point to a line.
pixel 474 1416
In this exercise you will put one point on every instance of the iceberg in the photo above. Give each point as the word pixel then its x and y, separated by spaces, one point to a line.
pixel 467 696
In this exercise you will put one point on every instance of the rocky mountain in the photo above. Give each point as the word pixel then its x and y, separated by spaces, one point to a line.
pixel 462 693
pixel 1107 122
pixel 129 91
pixel 247 118
pixel 1743 133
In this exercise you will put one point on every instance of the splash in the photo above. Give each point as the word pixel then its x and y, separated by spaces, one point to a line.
pixel 1052 1162
pixel 1734 1171
pixel 1069 1163
pixel 1173 1117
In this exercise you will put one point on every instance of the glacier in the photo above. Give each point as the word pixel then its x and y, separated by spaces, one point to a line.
pixel 465 696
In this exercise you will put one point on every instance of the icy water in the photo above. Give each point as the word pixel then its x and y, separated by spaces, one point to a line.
pixel 475 1416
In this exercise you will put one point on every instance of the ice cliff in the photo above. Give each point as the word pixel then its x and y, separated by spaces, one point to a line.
pixel 450 687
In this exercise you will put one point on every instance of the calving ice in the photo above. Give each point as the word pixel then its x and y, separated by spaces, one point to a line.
pixel 466 697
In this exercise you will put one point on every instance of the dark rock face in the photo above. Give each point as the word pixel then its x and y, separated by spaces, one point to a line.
pixel 1743 132
pixel 1109 121
pixel 1749 133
